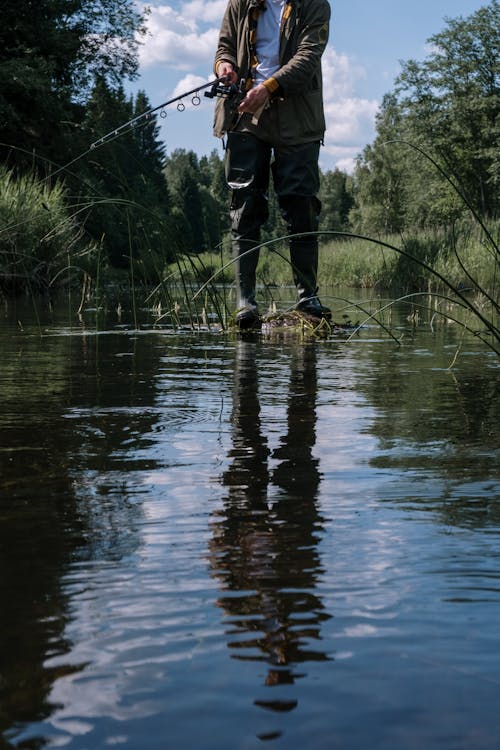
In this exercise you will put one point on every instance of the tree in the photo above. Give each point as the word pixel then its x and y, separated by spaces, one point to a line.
pixel 183 175
pixel 336 200
pixel 133 207
pixel 379 176
pixel 50 53
pixel 452 102
pixel 215 198
pixel 448 108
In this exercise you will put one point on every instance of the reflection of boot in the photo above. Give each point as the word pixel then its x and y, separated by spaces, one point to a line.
pixel 247 315
pixel 304 258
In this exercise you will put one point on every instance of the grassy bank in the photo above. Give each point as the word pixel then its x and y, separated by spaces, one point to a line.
pixel 42 245
pixel 465 259
pixel 453 275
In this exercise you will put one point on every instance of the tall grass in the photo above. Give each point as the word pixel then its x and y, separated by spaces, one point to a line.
pixel 362 263
pixel 41 242
pixel 455 273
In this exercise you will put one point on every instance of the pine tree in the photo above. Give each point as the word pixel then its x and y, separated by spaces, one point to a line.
pixel 128 172
pixel 50 53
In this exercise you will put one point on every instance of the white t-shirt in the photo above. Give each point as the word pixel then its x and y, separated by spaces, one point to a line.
pixel 268 40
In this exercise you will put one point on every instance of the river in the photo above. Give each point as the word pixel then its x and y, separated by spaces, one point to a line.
pixel 220 541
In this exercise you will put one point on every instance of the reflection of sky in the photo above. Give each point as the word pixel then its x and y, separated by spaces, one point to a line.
pixel 138 620
pixel 414 596
pixel 139 617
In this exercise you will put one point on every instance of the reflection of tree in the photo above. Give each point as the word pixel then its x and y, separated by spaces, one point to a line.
pixel 62 432
pixel 445 423
pixel 264 545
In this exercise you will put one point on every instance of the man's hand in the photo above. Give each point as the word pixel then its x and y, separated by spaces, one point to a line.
pixel 225 69
pixel 255 100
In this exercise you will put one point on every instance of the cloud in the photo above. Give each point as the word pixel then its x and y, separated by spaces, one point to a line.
pixel 350 119
pixel 190 82
pixel 185 38
pixel 174 39
pixel 211 12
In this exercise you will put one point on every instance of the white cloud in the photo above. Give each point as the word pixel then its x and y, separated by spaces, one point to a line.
pixel 210 12
pixel 174 39
pixel 339 74
pixel 350 120
pixel 185 39
pixel 188 83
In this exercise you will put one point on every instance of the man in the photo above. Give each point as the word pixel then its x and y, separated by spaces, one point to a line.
pixel 272 49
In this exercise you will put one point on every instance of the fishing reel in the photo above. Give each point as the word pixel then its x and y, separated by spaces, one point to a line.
pixel 230 91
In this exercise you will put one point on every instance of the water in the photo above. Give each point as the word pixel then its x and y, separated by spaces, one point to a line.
pixel 217 542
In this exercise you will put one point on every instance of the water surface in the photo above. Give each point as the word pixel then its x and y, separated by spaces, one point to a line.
pixel 216 542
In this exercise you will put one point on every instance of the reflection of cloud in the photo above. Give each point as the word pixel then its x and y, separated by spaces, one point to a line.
pixel 362 630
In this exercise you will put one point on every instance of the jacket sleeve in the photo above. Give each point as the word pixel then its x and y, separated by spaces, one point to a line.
pixel 302 55
pixel 228 36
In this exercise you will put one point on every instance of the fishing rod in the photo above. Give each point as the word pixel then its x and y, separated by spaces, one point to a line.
pixel 218 88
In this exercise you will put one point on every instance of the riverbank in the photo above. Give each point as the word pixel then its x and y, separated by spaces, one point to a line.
pixel 421 262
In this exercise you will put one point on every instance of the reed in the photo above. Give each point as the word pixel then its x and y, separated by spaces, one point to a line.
pixel 457 268
pixel 39 235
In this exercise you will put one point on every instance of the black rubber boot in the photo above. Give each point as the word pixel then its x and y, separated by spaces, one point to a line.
pixel 312 306
pixel 247 257
pixel 304 258
pixel 301 216
pixel 248 213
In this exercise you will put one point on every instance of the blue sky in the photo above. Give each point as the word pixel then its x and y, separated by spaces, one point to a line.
pixel 367 42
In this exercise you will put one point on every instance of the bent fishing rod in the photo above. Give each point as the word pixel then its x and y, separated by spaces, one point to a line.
pixel 220 87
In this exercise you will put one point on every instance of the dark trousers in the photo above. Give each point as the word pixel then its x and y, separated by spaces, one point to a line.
pixel 295 173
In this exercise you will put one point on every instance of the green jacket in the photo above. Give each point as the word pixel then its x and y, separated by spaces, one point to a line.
pixel 295 113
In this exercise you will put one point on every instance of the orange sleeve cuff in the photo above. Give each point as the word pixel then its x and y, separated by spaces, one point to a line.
pixel 271 85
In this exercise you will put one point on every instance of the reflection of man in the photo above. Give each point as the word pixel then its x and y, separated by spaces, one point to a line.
pixel 274 48
pixel 265 537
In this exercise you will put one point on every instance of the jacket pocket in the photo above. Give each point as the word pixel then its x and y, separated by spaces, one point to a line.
pixel 301 117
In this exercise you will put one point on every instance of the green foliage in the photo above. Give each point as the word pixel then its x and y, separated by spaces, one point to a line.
pixel 452 101
pixel 379 179
pixel 182 171
pixel 128 196
pixel 462 256
pixel 50 53
pixel 448 107
pixel 200 196
pixel 336 200
pixel 40 240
